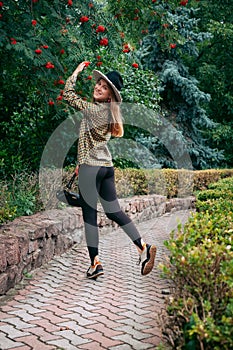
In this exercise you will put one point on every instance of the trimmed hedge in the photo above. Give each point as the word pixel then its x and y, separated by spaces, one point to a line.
pixel 20 196
pixel 200 308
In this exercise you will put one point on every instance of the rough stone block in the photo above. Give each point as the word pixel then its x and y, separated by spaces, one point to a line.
pixel 3 283
pixel 3 261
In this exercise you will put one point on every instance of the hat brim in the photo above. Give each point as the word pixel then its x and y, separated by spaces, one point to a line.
pixel 98 75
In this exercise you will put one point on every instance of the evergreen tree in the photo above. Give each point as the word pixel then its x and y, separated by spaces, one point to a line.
pixel 167 36
pixel 173 36
pixel 213 67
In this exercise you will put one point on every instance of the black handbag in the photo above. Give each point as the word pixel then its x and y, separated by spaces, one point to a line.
pixel 68 197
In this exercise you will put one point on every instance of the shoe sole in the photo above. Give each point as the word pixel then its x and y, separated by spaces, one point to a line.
pixel 94 277
pixel 150 263
pixel 98 272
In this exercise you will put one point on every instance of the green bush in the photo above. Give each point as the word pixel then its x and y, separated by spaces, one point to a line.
pixel 200 309
pixel 19 196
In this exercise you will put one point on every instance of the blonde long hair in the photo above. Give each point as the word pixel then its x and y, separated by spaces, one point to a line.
pixel 116 124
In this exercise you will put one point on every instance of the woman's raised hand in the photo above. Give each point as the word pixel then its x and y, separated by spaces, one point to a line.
pixel 79 69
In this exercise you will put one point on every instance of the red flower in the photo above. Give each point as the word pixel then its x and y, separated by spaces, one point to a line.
pixel 104 42
pixel 99 64
pixel 38 51
pixel 100 29
pixel 69 2
pixel 172 46
pixel 126 48
pixel 49 65
pixel 91 5
pixel 154 0
pixel 87 63
pixel 34 22
pixel 183 2
pixel 62 51
pixel 61 81
pixel 0 16
pixel 59 98
pixel 98 57
pixel 34 1
pixel 165 25
pixel 45 46
pixel 89 77
pixel 135 18
pixel 50 103
pixel 1 4
pixel 135 65
pixel 84 19
pixel 13 41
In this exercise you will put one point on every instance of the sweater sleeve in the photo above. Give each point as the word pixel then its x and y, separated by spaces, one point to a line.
pixel 74 100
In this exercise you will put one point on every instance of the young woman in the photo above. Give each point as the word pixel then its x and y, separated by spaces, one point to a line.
pixel 101 120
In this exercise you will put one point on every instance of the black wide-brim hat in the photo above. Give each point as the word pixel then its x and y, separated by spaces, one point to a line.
pixel 114 79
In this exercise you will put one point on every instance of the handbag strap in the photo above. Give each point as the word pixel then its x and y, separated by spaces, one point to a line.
pixel 70 183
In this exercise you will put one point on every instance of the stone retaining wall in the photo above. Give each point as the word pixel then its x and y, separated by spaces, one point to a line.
pixel 31 241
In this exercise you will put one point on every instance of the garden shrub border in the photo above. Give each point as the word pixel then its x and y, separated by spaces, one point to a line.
pixel 21 196
pixel 200 307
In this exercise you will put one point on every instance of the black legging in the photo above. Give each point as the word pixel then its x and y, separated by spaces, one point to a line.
pixel 99 182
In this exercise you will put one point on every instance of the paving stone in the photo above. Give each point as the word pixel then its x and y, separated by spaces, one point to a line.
pixel 92 346
pixel 76 328
pixel 42 334
pixel 135 344
pixel 34 342
pixel 138 326
pixel 72 337
pixel 107 331
pixel 61 309
pixel 79 319
pixel 62 344
pixel 31 309
pixel 7 343
pixel 121 347
pixel 24 315
pixel 26 347
pixel 17 322
pixel 104 341
pixel 83 312
pixel 12 332
pixel 139 335
pixel 45 324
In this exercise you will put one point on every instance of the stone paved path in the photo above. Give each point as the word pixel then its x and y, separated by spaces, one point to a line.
pixel 58 308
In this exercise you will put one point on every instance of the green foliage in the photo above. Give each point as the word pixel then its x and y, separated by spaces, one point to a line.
pixel 213 68
pixel 19 197
pixel 168 37
pixel 42 42
pixel 200 309
pixel 20 193
pixel 180 90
